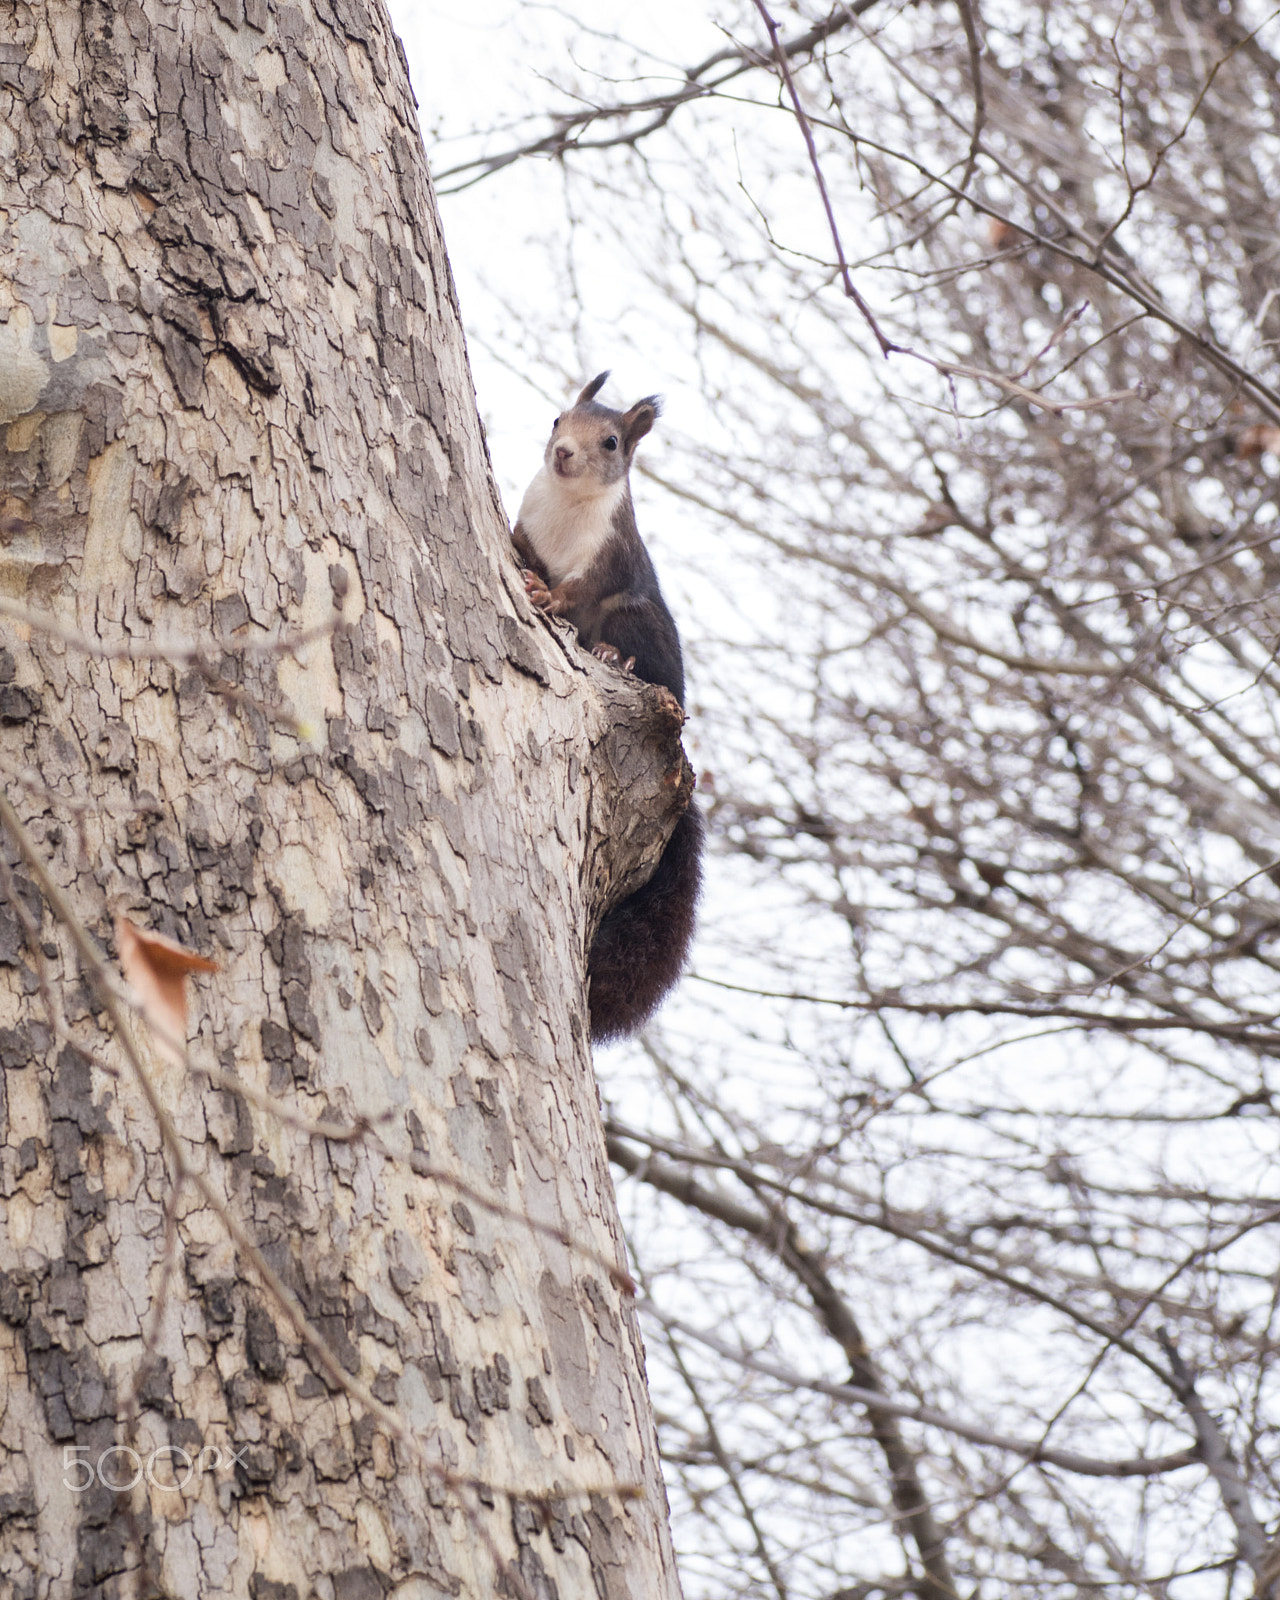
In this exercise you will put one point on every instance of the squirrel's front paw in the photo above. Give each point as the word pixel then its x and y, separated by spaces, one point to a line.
pixel 610 654
pixel 536 589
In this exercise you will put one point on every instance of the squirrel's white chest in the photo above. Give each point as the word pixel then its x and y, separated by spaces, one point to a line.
pixel 568 528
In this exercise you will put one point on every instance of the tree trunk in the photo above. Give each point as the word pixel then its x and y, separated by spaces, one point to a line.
pixel 271 688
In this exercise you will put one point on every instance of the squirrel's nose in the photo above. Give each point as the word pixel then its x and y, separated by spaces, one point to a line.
pixel 563 452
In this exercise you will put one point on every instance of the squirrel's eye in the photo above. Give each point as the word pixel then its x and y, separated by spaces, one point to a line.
pixel 555 424
pixel 611 443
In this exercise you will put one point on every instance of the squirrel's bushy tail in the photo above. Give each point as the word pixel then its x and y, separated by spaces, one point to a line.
pixel 641 947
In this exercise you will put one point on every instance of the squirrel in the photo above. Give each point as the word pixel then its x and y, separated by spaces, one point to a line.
pixel 584 560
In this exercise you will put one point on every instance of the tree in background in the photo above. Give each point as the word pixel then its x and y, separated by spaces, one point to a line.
pixel 327 1302
pixel 954 1179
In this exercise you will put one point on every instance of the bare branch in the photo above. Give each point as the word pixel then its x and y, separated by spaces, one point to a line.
pixel 1028 1450
pixel 1216 1455
pixel 567 128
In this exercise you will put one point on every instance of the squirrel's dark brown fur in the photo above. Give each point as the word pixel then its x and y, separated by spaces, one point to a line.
pixel 584 560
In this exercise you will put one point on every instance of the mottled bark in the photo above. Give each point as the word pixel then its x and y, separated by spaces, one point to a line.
pixel 235 407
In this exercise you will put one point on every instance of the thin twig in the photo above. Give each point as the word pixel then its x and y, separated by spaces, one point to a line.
pixel 151 1341
pixel 618 1276
pixel 1163 150
pixel 1234 1032
pixel 89 805
pixel 1030 1449
pixel 1187 921
pixel 176 651
pixel 968 16
pixel 360 1130
pixel 887 347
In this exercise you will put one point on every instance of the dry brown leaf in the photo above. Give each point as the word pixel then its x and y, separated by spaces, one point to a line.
pixel 156 968
pixel 1254 440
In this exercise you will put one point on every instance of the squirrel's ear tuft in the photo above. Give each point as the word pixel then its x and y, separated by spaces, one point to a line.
pixel 641 417
pixel 592 389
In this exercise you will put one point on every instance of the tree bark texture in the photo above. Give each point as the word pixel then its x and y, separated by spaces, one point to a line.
pixel 235 409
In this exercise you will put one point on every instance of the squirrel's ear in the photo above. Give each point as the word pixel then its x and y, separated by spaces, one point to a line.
pixel 592 389
pixel 641 417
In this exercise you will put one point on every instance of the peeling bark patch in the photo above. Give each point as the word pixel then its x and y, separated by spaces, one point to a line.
pixel 13 937
pixel 492 1385
pixel 261 1588
pixel 287 944
pixel 184 360
pixel 262 1344
pixel 17 704
pixel 71 1095
pixel 528 1576
pixel 540 1411
pixel 371 1008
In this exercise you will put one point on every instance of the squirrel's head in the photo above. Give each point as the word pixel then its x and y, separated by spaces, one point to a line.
pixel 591 447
